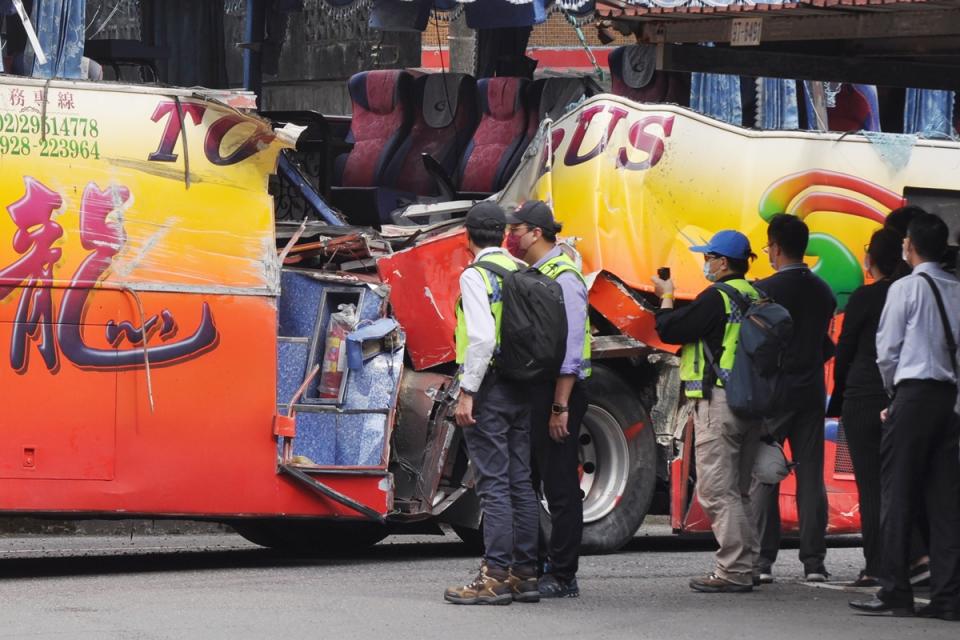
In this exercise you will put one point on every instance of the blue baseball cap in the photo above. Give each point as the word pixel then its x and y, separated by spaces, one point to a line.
pixel 727 243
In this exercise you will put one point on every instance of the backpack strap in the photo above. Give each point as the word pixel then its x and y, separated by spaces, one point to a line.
pixel 948 332
pixel 503 272
pixel 735 294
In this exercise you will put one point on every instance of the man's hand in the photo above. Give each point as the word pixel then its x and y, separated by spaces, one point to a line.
pixel 883 415
pixel 558 426
pixel 464 411
pixel 662 287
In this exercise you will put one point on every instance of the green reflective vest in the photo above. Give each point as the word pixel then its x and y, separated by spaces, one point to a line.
pixel 553 268
pixel 693 362
pixel 493 283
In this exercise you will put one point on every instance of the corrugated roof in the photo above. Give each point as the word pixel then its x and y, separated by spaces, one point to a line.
pixel 678 9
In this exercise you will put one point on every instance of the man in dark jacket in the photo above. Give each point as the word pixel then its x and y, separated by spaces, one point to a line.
pixel 811 304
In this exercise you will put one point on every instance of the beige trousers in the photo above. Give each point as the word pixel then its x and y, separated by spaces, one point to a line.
pixel 726 447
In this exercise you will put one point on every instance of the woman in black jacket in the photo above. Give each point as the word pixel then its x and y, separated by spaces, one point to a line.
pixel 858 394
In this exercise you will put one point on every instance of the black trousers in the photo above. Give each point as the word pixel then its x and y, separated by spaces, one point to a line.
pixel 803 429
pixel 861 425
pixel 920 462
pixel 557 464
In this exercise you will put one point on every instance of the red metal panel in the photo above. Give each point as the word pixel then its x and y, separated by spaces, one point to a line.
pixel 611 299
pixel 425 285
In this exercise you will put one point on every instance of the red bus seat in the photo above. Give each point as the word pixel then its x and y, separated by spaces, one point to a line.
pixel 445 117
pixel 498 142
pixel 633 75
pixel 382 118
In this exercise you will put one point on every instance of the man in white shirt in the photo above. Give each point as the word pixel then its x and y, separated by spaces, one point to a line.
pixel 917 356
pixel 494 414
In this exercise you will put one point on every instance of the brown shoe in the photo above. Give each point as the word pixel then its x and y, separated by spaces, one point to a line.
pixel 489 587
pixel 523 585
pixel 715 584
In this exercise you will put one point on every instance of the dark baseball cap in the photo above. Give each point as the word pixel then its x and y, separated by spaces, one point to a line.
pixel 535 213
pixel 486 215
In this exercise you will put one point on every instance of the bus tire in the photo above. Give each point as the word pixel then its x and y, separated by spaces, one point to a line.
pixel 618 455
pixel 311 537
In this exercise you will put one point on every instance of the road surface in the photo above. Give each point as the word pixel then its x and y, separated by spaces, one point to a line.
pixel 220 586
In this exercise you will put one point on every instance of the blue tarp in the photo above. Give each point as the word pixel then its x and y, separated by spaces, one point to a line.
pixel 929 113
pixel 717 95
pixel 777 104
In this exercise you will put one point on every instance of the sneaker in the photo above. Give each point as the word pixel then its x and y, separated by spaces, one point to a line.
pixel 715 584
pixel 765 577
pixel 489 587
pixel 524 587
pixel 820 575
pixel 553 586
pixel 920 575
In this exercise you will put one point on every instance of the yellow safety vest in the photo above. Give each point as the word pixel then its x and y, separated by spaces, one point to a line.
pixel 552 268
pixel 493 283
pixel 693 364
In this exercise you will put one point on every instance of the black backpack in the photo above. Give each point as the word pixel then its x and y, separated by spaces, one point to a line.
pixel 533 327
pixel 754 388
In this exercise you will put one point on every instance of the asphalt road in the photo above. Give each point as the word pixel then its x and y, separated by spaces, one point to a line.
pixel 219 586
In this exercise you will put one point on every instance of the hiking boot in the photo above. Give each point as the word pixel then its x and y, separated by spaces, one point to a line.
pixel 524 585
pixel 715 584
pixel 489 587
pixel 553 586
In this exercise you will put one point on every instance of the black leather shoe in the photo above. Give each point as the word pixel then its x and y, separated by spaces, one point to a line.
pixel 878 607
pixel 934 611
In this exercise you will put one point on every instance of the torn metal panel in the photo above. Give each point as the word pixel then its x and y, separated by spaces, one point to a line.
pixel 418 401
pixel 614 301
pixel 425 286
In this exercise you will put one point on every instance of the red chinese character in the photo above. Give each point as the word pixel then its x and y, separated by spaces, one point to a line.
pixel 65 100
pixel 17 98
pixel 34 239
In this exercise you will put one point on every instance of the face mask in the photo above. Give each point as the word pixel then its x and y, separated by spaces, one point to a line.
pixel 709 275
pixel 514 245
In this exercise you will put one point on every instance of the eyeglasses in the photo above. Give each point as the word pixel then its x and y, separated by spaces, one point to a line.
pixel 707 257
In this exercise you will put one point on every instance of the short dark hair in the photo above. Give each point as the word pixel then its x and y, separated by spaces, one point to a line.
pixel 739 265
pixel 899 219
pixel 485 238
pixel 550 235
pixel 790 233
pixel 928 234
pixel 885 249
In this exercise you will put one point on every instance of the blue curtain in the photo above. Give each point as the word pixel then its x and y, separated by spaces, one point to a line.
pixel 60 29
pixel 929 113
pixel 717 96
pixel 777 104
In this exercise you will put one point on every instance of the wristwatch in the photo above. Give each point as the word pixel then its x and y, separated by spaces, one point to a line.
pixel 557 409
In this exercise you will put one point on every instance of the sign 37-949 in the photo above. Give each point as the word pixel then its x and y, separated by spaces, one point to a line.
pixel 745 32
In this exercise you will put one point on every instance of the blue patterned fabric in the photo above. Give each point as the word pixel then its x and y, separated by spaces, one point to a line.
pixel 60 26
pixel 718 96
pixel 929 113
pixel 777 106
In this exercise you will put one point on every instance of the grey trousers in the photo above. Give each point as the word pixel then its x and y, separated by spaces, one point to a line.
pixel 499 449
pixel 726 448
pixel 803 429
